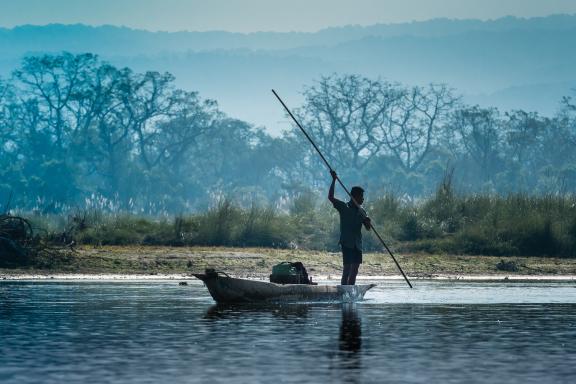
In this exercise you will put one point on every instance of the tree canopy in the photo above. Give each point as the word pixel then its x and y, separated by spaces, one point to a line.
pixel 77 131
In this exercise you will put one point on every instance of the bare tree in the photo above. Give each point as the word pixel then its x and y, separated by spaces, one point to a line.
pixel 568 116
pixel 6 101
pixel 190 119
pixel 478 132
pixel 147 100
pixel 55 81
pixel 344 113
pixel 524 132
pixel 410 128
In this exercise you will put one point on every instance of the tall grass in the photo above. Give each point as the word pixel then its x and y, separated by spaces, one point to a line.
pixel 446 222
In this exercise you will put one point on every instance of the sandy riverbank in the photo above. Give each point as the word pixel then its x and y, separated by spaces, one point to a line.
pixel 334 277
pixel 175 263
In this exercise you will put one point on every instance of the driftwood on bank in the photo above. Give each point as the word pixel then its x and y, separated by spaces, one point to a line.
pixel 16 239
pixel 19 245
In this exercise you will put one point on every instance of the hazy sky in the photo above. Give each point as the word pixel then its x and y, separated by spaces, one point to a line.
pixel 263 15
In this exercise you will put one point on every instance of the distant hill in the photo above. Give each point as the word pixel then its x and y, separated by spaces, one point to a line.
pixel 509 62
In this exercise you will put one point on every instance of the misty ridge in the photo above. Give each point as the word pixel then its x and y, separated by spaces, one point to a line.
pixel 509 63
pixel 160 122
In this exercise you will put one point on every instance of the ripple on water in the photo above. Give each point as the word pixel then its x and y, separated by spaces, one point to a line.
pixel 54 332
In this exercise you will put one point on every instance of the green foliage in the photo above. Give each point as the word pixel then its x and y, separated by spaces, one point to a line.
pixel 223 225
pixel 479 240
pixel 444 208
pixel 411 229
pixel 126 229
pixel 133 150
pixel 516 225
pixel 263 227
pixel 218 226
pixel 76 131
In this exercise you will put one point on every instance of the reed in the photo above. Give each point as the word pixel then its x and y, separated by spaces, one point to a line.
pixel 446 222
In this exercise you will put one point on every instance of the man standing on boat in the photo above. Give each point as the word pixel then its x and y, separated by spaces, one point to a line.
pixel 352 216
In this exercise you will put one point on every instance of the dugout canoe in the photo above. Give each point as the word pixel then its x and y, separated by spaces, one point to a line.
pixel 226 289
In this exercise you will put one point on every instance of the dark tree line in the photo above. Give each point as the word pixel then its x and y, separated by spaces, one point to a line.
pixel 76 131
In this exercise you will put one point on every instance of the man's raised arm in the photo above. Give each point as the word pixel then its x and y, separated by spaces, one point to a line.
pixel 331 190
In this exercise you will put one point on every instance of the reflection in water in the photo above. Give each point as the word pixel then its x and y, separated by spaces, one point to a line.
pixel 284 311
pixel 134 332
pixel 350 341
pixel 349 347
pixel 350 329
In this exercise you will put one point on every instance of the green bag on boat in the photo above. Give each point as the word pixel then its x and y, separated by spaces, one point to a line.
pixel 285 268
pixel 290 273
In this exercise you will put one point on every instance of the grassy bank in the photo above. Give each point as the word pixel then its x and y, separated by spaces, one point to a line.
pixel 515 225
pixel 259 262
pixel 457 233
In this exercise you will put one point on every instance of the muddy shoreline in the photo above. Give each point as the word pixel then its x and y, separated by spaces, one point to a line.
pixel 166 263
pixel 322 278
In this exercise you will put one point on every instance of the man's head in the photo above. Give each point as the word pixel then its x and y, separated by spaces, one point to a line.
pixel 358 194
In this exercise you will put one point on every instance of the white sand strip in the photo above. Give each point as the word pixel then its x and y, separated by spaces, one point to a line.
pixel 136 277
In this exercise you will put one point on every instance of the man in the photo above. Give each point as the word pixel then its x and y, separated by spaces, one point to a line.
pixel 352 216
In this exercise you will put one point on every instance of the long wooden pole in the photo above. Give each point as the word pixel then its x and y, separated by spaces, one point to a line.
pixel 341 184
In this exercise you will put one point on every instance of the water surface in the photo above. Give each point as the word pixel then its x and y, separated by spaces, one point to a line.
pixel 158 331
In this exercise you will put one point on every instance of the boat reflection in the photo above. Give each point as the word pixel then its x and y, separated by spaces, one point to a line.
pixel 345 358
pixel 284 311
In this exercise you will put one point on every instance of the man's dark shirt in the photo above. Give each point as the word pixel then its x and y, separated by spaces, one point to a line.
pixel 351 218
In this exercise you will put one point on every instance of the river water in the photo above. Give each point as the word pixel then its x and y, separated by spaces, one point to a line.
pixel 159 331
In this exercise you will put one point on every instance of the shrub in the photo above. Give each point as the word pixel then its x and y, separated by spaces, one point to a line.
pixel 263 227
pixel 515 225
pixel 507 266
pixel 411 229
pixel 218 226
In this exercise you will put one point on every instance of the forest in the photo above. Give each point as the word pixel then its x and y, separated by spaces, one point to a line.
pixel 78 134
